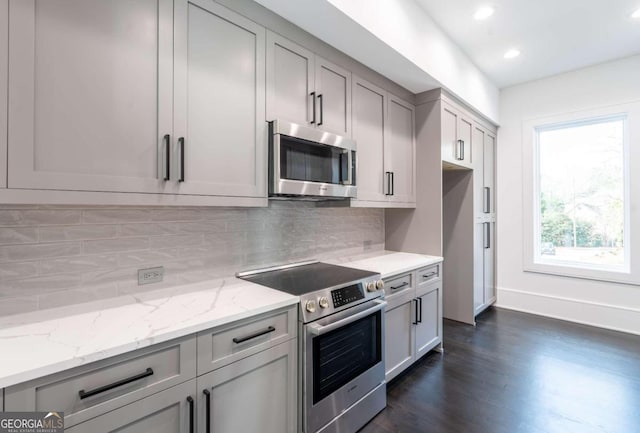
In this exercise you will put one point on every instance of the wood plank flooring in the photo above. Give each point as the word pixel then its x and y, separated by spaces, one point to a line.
pixel 519 373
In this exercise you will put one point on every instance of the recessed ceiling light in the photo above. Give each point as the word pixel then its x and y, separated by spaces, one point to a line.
pixel 484 13
pixel 511 54
pixel 636 14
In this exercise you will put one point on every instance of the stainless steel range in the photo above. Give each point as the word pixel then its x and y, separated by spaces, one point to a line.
pixel 341 342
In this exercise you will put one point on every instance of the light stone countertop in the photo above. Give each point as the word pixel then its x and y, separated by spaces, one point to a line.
pixel 41 343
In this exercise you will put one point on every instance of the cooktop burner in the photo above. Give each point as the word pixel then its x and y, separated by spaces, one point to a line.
pixel 307 278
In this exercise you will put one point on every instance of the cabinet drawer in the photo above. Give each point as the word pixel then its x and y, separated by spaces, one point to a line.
pixel 398 290
pixel 89 391
pixel 427 274
pixel 227 344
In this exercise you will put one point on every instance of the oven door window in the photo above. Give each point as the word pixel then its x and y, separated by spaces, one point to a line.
pixel 312 162
pixel 342 355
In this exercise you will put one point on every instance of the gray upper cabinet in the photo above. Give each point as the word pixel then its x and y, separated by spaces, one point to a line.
pixel 220 143
pixel 255 394
pixel 457 131
pixel 168 411
pixel 369 119
pixel 384 128
pixel 489 174
pixel 4 44
pixel 90 93
pixel 400 150
pixel 305 88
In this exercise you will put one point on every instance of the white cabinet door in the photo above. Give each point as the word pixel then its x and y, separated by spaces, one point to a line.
pixel 255 394
pixel 489 155
pixel 428 331
pixel 333 90
pixel 4 43
pixel 489 264
pixel 90 94
pixel 465 133
pixel 400 150
pixel 399 338
pixel 478 265
pixel 290 80
pixel 168 411
pixel 220 102
pixel 369 108
pixel 457 134
pixel 478 171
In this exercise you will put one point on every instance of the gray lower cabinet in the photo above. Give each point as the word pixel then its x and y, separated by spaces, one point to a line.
pixel 255 394
pixel 413 318
pixel 169 411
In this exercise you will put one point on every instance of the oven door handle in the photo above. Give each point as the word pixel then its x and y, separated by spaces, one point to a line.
pixel 316 329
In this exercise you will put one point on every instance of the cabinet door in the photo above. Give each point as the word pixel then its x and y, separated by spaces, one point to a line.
pixel 400 150
pixel 489 264
pixel 479 195
pixel 450 148
pixel 399 338
pixel 255 394
pixel 90 94
pixel 168 411
pixel 220 102
pixel 489 155
pixel 333 89
pixel 479 233
pixel 369 108
pixel 4 43
pixel 429 327
pixel 290 80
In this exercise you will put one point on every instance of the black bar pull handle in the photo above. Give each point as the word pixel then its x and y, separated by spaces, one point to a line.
pixel 313 104
pixel 388 174
pixel 191 414
pixel 420 319
pixel 86 394
pixel 167 157
pixel 459 150
pixel 415 322
pixel 487 199
pixel 487 235
pixel 252 336
pixel 405 284
pixel 430 274
pixel 393 183
pixel 207 411
pixel 181 147
pixel 462 158
pixel 321 110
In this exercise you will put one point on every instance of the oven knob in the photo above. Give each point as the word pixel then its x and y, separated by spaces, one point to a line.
pixel 371 287
pixel 323 302
pixel 380 284
pixel 310 306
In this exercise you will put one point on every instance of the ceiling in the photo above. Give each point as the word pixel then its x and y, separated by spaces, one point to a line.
pixel 553 36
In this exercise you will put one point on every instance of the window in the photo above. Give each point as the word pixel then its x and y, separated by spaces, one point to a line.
pixel 581 194
pixel 581 184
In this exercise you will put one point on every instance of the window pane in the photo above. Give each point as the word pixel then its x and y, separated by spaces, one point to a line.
pixel 581 203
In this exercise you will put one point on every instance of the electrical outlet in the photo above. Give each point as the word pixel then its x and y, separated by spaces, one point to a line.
pixel 150 275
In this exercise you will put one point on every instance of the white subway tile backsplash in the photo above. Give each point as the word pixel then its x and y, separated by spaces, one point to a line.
pixel 18 235
pixel 54 256
pixel 116 245
pixel 75 233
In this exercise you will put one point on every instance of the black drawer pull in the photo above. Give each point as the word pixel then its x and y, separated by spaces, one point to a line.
pixel 430 274
pixel 252 336
pixel 405 284
pixel 207 396
pixel 191 414
pixel 85 394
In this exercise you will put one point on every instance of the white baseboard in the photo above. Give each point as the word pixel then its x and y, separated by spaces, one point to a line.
pixel 614 317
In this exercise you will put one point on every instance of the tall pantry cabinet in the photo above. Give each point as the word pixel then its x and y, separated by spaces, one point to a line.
pixel 455 215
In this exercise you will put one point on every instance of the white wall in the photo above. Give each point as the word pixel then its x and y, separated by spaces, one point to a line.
pixel 609 305
pixel 398 39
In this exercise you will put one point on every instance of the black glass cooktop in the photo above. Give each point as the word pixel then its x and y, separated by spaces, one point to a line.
pixel 303 279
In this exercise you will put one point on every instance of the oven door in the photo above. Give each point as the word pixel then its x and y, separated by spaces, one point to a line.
pixel 343 361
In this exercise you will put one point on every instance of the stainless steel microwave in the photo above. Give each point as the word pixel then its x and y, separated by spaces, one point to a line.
pixel 308 163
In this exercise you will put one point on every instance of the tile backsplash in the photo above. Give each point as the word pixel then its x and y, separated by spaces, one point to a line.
pixel 54 256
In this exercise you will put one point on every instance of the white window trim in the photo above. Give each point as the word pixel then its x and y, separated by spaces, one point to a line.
pixel 630 273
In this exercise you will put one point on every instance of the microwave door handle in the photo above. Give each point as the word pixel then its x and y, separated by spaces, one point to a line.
pixel 316 329
pixel 349 179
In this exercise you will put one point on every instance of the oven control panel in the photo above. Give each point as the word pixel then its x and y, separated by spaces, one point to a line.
pixel 347 295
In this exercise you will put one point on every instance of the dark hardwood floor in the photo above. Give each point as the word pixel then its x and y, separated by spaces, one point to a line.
pixel 519 373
